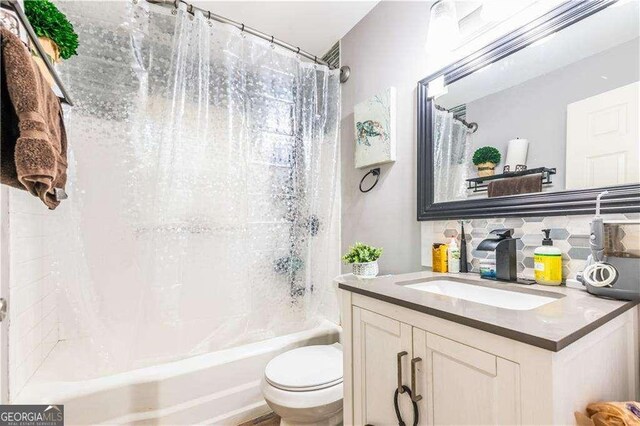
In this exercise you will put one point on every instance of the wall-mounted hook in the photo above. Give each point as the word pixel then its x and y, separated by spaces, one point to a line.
pixel 345 73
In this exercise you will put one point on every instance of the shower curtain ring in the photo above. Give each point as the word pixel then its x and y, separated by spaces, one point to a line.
pixel 242 29
pixel 272 39
pixel 190 10
pixel 298 51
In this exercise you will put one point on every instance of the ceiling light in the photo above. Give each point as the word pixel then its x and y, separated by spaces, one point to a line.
pixel 497 10
pixel 444 33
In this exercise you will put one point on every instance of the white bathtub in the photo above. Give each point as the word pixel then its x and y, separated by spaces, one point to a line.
pixel 215 388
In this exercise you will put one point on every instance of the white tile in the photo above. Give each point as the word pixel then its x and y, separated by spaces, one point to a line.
pixel 33 316
pixel 556 221
pixel 24 249
pixel 579 225
pixel 30 271
pixel 24 297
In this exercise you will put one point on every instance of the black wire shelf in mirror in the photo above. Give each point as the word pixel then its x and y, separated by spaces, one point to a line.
pixel 479 184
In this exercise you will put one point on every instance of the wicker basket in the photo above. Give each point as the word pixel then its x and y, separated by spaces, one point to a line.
pixel 486 169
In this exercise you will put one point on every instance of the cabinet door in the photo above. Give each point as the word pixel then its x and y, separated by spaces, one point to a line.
pixel 462 385
pixel 377 341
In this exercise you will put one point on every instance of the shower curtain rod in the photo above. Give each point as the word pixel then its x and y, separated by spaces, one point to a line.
pixel 210 15
pixel 471 126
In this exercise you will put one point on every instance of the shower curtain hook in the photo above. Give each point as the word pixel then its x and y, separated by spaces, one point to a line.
pixel 175 7
pixel 298 51
pixel 242 29
pixel 190 9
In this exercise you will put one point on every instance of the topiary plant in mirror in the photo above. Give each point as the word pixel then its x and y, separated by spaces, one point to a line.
pixel 486 159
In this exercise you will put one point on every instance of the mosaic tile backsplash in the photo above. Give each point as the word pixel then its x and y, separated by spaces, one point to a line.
pixel 569 233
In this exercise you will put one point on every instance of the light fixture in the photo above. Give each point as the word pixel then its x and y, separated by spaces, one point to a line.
pixel 444 33
pixel 497 10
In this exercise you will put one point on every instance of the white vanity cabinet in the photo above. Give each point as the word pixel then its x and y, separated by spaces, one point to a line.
pixel 465 384
pixel 379 344
pixel 466 376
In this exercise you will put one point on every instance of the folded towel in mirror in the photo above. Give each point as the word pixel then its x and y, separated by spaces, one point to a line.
pixel 515 185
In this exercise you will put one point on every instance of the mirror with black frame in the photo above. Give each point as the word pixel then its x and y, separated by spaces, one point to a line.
pixel 553 121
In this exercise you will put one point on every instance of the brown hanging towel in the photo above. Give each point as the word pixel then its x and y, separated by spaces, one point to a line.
pixel 34 141
pixel 515 185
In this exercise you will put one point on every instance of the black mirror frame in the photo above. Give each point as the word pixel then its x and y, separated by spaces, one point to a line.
pixel 621 199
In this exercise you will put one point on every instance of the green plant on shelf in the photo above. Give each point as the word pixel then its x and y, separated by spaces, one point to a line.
pixel 362 253
pixel 486 154
pixel 48 21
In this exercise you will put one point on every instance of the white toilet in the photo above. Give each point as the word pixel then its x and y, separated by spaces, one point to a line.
pixel 304 385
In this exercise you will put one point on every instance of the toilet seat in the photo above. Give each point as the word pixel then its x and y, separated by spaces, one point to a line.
pixel 306 369
pixel 304 386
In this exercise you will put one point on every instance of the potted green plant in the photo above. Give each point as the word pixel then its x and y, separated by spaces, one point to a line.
pixel 54 31
pixel 486 159
pixel 364 259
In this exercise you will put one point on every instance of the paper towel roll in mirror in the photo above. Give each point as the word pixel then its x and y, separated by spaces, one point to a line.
pixel 516 153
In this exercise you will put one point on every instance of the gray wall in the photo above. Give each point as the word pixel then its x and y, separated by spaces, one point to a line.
pixel 385 49
pixel 537 109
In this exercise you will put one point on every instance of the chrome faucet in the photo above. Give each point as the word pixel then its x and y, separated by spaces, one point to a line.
pixel 505 247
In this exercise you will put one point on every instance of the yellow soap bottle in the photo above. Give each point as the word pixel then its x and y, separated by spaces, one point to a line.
pixel 440 257
pixel 548 262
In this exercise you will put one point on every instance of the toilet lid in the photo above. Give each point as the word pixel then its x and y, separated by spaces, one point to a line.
pixel 307 368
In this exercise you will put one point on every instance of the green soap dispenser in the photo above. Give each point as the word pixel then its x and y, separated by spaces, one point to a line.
pixel 548 262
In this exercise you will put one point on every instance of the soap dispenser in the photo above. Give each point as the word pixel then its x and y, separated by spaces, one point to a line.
pixel 548 262
pixel 454 257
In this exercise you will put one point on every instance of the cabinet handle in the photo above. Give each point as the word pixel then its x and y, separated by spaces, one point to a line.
pixel 400 355
pixel 415 397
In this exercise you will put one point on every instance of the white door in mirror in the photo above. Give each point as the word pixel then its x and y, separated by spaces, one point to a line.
pixel 602 139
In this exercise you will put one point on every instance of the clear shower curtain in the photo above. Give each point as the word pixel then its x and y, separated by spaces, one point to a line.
pixel 203 211
pixel 452 157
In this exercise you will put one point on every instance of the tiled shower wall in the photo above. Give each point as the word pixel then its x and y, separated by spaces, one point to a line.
pixel 569 233
pixel 33 321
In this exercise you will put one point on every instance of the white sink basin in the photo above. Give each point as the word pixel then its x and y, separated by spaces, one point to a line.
pixel 486 295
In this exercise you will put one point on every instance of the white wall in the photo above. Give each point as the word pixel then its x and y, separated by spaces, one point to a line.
pixel 385 49
pixel 33 317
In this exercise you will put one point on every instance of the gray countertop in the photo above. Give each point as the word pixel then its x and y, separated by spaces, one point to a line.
pixel 552 326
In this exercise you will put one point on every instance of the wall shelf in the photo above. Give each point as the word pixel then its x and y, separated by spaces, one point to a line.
pixel 479 184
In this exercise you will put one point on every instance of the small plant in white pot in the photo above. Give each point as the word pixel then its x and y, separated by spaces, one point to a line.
pixel 364 259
